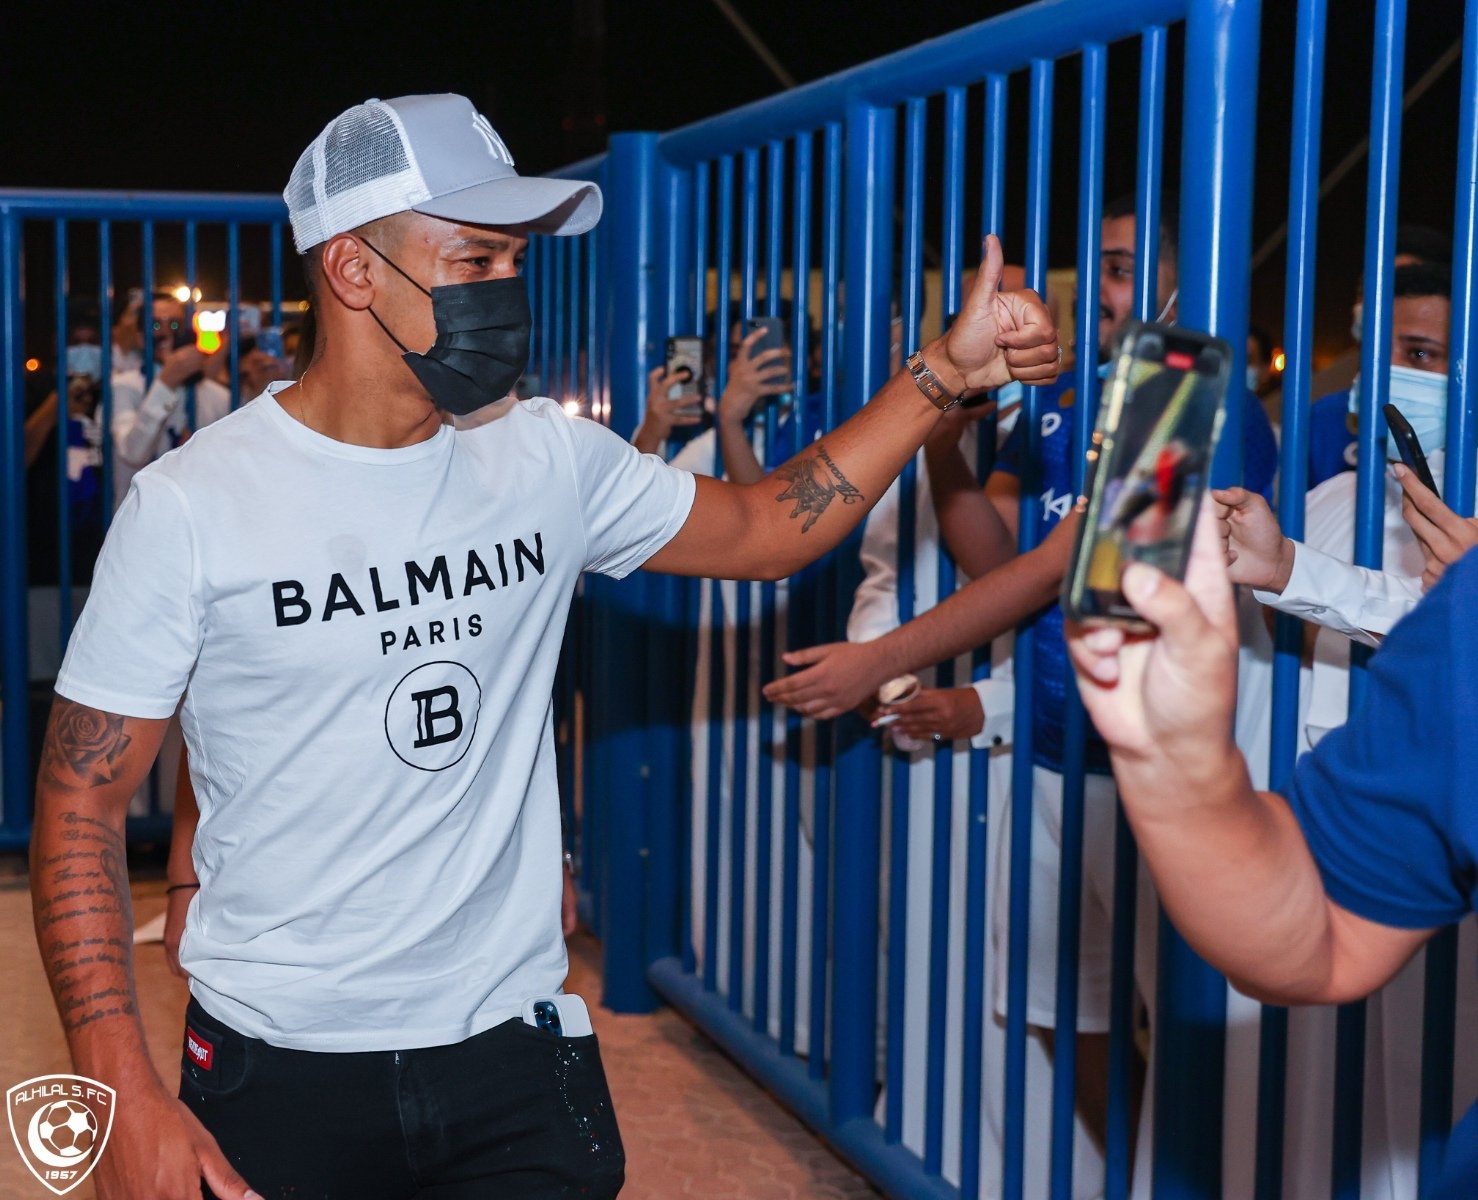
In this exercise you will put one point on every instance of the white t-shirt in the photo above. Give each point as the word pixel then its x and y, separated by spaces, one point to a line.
pixel 366 642
pixel 147 424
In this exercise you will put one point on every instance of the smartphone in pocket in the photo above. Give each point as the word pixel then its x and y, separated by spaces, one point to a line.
pixel 685 354
pixel 1409 446
pixel 565 1015
pixel 1161 415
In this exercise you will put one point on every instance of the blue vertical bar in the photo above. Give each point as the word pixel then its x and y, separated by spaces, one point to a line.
pixel 105 298
pixel 800 308
pixel 1298 339
pixel 739 796
pixel 146 316
pixel 1039 182
pixel 821 905
pixel 558 248
pixel 699 327
pixel 1458 484
pixel 595 381
pixel 1070 893
pixel 911 303
pixel 14 641
pixel 274 254
pixel 1122 1052
pixel 723 316
pixel 233 322
pixel 1382 184
pixel 1214 249
pixel 623 789
pixel 667 646
pixel 191 272
pixel 61 288
pixel 871 133
pixel 718 687
pixel 547 315
pixel 769 663
pixel 952 252
pixel 572 364
pixel 973 1070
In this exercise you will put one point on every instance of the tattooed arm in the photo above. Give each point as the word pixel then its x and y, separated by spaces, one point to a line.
pixel 772 528
pixel 91 764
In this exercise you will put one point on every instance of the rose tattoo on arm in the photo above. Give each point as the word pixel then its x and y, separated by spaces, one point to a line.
pixel 84 746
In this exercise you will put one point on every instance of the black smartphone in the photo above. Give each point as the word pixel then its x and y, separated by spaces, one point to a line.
pixel 775 336
pixel 1409 446
pixel 1161 414
pixel 685 354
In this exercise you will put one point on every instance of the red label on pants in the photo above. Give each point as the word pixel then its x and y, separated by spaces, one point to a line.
pixel 201 1052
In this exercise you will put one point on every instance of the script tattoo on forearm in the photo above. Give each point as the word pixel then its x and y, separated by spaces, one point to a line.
pixel 84 747
pixel 83 913
pixel 810 488
pixel 82 909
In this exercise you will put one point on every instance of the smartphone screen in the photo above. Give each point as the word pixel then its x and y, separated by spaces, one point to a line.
pixel 1409 446
pixel 686 354
pixel 1160 416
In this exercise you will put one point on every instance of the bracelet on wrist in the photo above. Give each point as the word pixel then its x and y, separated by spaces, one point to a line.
pixel 930 384
pixel 180 887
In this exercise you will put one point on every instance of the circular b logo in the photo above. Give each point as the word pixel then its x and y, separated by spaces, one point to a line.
pixel 432 715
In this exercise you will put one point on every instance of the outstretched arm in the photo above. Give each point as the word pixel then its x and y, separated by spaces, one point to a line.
pixel 772 528
pixel 840 675
pixel 1232 865
pixel 91 764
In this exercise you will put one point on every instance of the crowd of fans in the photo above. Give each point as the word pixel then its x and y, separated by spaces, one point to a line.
pixel 1314 580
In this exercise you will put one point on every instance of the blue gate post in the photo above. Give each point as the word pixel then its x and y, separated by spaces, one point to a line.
pixel 15 818
pixel 1215 249
pixel 868 209
pixel 668 703
pixel 618 716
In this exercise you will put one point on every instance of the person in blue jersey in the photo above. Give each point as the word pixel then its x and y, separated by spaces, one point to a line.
pixel 980 528
pixel 1419 319
pixel 1322 895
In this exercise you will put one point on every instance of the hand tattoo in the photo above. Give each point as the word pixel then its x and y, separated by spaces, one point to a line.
pixel 811 490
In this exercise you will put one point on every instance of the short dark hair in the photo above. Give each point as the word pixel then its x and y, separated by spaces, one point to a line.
pixel 1425 243
pixel 1125 206
pixel 1264 343
pixel 1424 279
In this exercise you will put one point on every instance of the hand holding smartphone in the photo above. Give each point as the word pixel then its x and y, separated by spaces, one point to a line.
pixel 685 357
pixel 1159 420
pixel 1409 446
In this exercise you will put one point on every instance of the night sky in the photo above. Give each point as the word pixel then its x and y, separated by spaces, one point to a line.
pixel 224 96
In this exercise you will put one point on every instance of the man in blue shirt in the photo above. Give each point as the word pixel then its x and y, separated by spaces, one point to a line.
pixel 1322 896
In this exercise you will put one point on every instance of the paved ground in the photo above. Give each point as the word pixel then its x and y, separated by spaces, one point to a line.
pixel 693 1123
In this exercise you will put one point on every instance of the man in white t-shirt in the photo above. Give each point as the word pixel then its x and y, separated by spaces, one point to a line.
pixel 362 606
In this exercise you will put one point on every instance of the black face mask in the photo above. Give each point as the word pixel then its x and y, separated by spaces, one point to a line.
pixel 482 342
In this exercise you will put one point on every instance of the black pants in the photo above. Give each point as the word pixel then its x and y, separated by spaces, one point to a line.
pixel 513 1113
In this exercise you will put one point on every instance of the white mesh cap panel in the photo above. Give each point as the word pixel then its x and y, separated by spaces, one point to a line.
pixel 358 170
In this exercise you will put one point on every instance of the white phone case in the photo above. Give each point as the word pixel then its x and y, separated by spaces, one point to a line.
pixel 574 1014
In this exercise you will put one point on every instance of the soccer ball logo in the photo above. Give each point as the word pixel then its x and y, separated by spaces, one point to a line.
pixel 66 1128
pixel 60 1125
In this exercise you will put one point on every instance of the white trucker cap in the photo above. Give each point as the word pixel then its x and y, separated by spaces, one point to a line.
pixel 435 154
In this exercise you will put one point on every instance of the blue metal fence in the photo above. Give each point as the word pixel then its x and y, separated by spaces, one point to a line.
pixel 824 907
pixel 112 228
pixel 884 968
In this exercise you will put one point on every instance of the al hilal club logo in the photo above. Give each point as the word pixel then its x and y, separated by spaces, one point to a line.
pixel 60 1124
